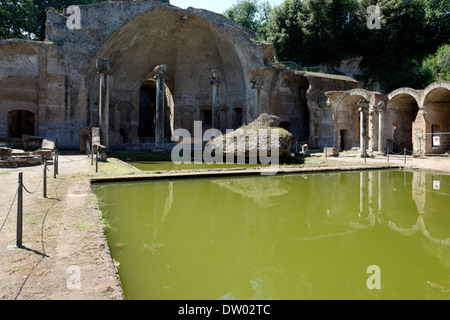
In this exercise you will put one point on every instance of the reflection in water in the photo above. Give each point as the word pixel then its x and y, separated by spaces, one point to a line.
pixel 282 237
pixel 257 189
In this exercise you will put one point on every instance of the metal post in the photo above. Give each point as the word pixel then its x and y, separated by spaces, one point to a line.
pixel 57 161
pixel 92 158
pixel 96 162
pixel 388 154
pixel 45 178
pixel 19 211
pixel 54 166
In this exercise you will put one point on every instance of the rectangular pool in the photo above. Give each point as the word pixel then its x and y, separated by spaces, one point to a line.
pixel 348 235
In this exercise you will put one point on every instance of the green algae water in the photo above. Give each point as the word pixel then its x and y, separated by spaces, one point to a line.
pixel 349 235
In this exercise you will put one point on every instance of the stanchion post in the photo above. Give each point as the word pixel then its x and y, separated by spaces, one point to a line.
pixel 45 178
pixel 96 162
pixel 92 157
pixel 388 154
pixel 57 161
pixel 54 165
pixel 405 155
pixel 19 211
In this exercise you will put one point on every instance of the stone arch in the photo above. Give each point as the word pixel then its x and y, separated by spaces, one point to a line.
pixel 348 119
pixel 444 85
pixel 405 91
pixel 190 47
pixel 402 110
pixel 437 109
pixel 360 92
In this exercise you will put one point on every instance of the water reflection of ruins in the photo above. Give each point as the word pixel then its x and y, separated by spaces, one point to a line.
pixel 409 203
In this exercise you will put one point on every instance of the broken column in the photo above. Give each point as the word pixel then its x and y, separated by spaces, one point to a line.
pixel 258 83
pixel 160 105
pixel 104 68
pixel 381 110
pixel 215 82
pixel 364 107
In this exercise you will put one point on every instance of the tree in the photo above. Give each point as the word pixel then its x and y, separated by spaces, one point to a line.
pixel 284 30
pixel 251 14
pixel 324 24
pixel 436 67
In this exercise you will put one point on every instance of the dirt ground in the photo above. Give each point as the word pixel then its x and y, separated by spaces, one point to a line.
pixel 65 254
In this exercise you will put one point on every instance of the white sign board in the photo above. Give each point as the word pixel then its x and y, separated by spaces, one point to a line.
pixel 436 185
pixel 436 141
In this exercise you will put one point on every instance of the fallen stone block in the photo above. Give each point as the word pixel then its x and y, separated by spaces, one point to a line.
pixel 43 153
pixel 5 153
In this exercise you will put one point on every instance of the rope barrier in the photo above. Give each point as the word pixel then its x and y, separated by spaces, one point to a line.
pixel 10 208
pixel 25 188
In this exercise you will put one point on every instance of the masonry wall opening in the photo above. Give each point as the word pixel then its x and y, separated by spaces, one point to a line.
pixel 147 112
pixel 403 111
pixel 20 122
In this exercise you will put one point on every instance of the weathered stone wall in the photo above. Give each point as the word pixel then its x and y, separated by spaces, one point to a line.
pixel 19 79
pixel 137 36
pixel 298 98
pixel 33 78
pixel 321 114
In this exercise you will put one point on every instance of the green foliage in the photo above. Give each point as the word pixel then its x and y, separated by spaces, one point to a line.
pixel 436 67
pixel 252 15
pixel 312 32
pixel 284 30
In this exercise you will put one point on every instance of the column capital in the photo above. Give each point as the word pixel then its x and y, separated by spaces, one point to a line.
pixel 258 82
pixel 161 71
pixel 381 106
pixel 103 66
pixel 364 105
pixel 216 78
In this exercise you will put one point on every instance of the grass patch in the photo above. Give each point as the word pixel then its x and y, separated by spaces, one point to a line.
pixel 140 156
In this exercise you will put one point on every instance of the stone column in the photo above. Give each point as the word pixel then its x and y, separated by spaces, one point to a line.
pixel 364 107
pixel 373 134
pixel 104 68
pixel 258 83
pixel 160 105
pixel 215 82
pixel 381 141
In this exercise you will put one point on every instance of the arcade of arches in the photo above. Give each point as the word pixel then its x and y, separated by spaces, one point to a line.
pixel 415 120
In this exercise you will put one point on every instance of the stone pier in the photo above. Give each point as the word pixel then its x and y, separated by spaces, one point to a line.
pixel 381 107
pixel 258 84
pixel 215 82
pixel 364 108
pixel 104 68
pixel 160 105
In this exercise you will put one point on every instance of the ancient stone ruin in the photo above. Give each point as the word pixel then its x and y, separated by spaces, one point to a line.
pixel 28 151
pixel 138 70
